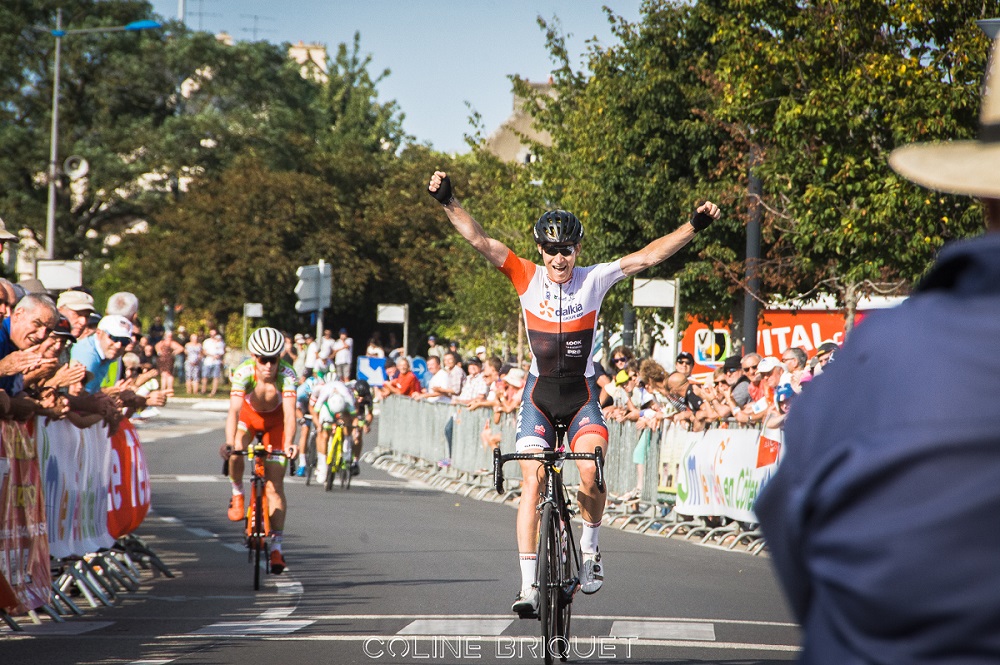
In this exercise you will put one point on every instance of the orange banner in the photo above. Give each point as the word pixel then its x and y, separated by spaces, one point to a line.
pixel 128 493
pixel 24 545
pixel 777 331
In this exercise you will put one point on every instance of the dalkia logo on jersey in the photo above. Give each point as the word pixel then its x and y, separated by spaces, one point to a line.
pixel 548 310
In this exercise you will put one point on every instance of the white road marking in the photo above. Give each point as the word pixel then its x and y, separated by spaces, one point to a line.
pixel 576 617
pixel 236 547
pixel 252 628
pixel 500 640
pixel 201 533
pixel 664 630
pixel 276 613
pixel 456 627
pixel 289 587
pixel 202 478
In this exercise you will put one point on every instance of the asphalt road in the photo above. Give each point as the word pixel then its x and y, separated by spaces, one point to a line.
pixel 394 572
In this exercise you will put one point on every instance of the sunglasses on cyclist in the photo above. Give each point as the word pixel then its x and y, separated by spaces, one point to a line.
pixel 565 250
pixel 267 360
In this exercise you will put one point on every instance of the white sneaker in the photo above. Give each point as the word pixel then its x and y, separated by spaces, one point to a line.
pixel 591 573
pixel 321 470
pixel 526 603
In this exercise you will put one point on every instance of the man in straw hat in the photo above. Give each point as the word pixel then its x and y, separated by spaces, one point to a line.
pixel 879 519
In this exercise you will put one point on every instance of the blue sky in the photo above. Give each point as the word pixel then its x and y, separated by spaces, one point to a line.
pixel 442 54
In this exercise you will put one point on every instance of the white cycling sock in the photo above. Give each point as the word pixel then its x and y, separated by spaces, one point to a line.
pixel 588 539
pixel 529 561
pixel 237 488
pixel 276 540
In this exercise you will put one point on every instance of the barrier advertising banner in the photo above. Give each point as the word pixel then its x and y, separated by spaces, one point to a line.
pixel 128 492
pixel 723 472
pixel 24 550
pixel 76 467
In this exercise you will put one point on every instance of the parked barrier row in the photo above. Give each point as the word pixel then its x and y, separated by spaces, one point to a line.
pixel 70 500
pixel 694 484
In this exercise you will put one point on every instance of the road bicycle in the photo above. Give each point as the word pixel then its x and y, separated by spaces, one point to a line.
pixel 338 456
pixel 558 570
pixel 310 448
pixel 258 522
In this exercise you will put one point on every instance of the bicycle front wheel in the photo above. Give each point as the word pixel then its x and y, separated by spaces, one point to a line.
pixel 550 584
pixel 258 537
pixel 345 465
pixel 310 456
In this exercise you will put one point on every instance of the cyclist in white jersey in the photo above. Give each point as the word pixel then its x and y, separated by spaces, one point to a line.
pixel 327 401
pixel 561 303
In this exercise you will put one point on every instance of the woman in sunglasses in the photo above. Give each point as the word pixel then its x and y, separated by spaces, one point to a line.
pixel 262 399
pixel 561 303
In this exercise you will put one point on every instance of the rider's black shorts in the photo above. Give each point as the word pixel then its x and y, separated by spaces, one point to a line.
pixel 549 400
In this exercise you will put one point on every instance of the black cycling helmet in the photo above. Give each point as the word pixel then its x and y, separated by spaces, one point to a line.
pixel 558 226
pixel 362 389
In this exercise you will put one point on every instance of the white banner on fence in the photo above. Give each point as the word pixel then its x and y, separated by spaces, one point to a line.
pixel 723 471
pixel 76 471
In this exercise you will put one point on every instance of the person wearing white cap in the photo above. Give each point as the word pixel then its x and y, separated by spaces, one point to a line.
pixel 879 518
pixel 76 306
pixel 99 351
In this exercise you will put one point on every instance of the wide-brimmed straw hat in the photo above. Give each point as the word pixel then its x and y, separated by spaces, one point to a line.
pixel 961 167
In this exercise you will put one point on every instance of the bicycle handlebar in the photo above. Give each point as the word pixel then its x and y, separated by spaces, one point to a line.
pixel 547 457
pixel 255 450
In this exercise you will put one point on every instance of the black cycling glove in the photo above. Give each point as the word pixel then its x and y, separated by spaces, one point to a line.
pixel 443 194
pixel 701 220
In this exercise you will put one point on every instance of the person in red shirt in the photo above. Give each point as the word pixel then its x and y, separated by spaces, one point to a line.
pixel 406 382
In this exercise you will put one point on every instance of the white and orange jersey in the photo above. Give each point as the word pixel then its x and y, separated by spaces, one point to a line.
pixel 561 319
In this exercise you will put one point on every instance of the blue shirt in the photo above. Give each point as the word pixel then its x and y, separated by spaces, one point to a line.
pixel 881 520
pixel 89 353
pixel 6 348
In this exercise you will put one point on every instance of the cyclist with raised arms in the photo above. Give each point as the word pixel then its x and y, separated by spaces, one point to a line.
pixel 329 401
pixel 262 399
pixel 561 303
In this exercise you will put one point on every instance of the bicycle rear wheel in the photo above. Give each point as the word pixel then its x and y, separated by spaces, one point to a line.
pixel 550 597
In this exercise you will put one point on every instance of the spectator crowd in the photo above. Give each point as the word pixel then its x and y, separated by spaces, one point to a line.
pixel 61 359
pixel 747 391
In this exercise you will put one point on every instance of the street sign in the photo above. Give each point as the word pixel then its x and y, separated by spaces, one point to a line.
pixel 253 310
pixel 391 314
pixel 653 293
pixel 315 287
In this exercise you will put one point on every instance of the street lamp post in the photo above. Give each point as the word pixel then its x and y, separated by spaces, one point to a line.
pixel 59 33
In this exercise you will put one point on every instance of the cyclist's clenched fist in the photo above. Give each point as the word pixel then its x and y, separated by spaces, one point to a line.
pixel 440 188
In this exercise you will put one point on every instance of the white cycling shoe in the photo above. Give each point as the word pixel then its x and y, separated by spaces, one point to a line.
pixel 591 573
pixel 526 604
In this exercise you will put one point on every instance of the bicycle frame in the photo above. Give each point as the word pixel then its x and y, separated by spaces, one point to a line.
pixel 258 520
pixel 338 455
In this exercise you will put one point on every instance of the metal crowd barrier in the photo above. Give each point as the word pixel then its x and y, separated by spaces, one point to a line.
pixel 98 578
pixel 412 441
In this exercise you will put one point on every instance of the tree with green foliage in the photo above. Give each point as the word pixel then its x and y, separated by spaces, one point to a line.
pixel 823 91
